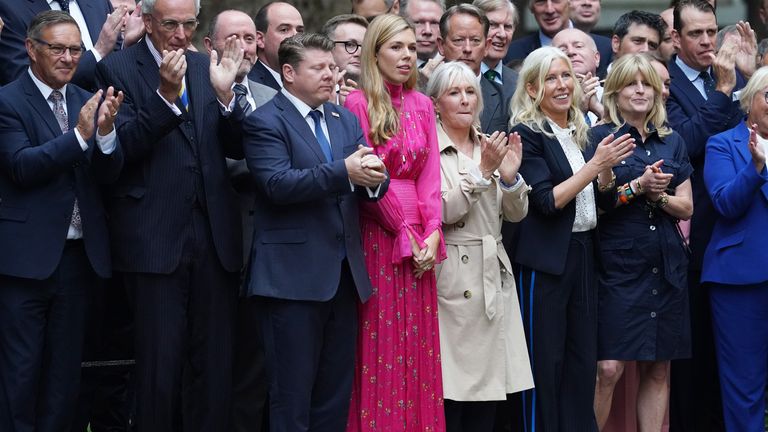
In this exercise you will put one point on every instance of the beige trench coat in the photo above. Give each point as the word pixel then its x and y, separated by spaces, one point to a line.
pixel 482 341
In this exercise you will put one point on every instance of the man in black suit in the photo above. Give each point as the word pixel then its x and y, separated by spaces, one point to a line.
pixel 99 24
pixel 553 16
pixel 56 144
pixel 275 21
pixel 464 38
pixel 174 217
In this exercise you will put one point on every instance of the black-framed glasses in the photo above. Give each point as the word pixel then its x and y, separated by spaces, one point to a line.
pixel 171 25
pixel 349 45
pixel 58 50
pixel 766 97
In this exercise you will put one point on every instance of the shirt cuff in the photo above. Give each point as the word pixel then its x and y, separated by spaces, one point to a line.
pixel 107 143
pixel 226 110
pixel 96 55
pixel 736 96
pixel 373 193
pixel 173 107
pixel 83 144
pixel 518 182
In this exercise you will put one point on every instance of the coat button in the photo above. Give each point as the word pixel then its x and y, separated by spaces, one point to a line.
pixel 655 270
pixel 655 291
pixel 460 224
pixel 503 270
pixel 653 314
pixel 467 294
pixel 464 259
pixel 652 228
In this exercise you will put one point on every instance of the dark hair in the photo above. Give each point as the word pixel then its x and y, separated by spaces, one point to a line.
pixel 331 24
pixel 261 21
pixel 652 20
pixel 699 5
pixel 466 9
pixel 292 49
pixel 46 19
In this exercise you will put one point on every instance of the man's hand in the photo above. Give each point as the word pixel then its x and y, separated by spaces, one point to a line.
pixel 345 90
pixel 134 27
pixel 745 57
pixel 172 70
pixel 364 175
pixel 108 111
pixel 724 66
pixel 85 124
pixel 110 31
pixel 223 73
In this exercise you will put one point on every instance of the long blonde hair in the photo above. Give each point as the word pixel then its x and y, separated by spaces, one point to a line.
pixel 622 74
pixel 382 116
pixel 527 110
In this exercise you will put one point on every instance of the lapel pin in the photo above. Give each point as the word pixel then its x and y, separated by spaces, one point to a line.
pixel 335 114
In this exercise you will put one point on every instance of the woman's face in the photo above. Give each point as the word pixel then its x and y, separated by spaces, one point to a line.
pixel 758 113
pixel 457 105
pixel 397 57
pixel 636 98
pixel 557 92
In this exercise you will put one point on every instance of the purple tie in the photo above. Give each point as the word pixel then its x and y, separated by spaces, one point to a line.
pixel 61 116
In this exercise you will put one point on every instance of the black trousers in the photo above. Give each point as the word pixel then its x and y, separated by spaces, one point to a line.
pixel 42 323
pixel 695 402
pixel 310 352
pixel 560 320
pixel 183 339
pixel 249 385
pixel 470 416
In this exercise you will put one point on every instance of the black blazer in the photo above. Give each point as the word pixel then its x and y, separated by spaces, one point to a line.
pixel 259 74
pixel 17 14
pixel 42 171
pixel 173 163
pixel 545 233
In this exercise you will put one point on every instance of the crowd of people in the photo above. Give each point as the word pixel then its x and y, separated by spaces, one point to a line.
pixel 406 221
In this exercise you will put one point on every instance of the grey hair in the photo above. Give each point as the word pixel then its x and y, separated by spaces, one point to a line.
pixel 755 84
pixel 493 5
pixel 404 7
pixel 148 6
pixel 451 74
pixel 46 19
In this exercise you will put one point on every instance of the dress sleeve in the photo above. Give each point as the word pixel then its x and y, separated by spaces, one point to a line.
pixel 428 182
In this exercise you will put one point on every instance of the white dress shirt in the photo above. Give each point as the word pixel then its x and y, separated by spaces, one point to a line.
pixel 77 14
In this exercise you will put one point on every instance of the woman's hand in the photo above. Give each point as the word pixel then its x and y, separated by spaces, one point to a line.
pixel 492 152
pixel 511 162
pixel 654 181
pixel 589 101
pixel 756 150
pixel 611 151
pixel 424 261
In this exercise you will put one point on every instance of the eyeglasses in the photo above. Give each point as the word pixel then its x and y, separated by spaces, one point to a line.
pixel 171 25
pixel 59 50
pixel 350 46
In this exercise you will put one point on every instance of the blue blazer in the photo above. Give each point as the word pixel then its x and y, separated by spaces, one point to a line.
pixel 172 164
pixel 17 14
pixel 696 119
pixel 306 216
pixel 260 75
pixel 41 173
pixel 520 48
pixel 737 253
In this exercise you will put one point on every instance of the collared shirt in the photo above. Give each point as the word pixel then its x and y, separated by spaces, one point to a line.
pixel 248 94
pixel 693 76
pixel 274 74
pixel 586 211
pixel 545 40
pixel 499 67
pixel 77 14
pixel 304 110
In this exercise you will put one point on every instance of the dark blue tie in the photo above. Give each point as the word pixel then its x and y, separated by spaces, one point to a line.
pixel 320 135
pixel 709 83
pixel 64 4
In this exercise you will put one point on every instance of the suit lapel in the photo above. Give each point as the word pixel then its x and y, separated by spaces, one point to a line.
pixel 196 86
pixel 40 105
pixel 37 6
pixel 684 86
pixel 335 129
pixel 93 19
pixel 300 125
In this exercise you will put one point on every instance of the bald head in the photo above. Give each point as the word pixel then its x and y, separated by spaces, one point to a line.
pixel 233 23
pixel 580 48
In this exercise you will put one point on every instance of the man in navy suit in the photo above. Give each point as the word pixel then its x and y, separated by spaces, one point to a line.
pixel 553 16
pixel 503 19
pixel 56 144
pixel 307 267
pixel 703 102
pixel 100 27
pixel 174 217
pixel 275 21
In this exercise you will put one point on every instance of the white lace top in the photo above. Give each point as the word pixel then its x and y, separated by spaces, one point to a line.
pixel 586 213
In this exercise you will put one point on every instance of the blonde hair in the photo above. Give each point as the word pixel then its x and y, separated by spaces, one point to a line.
pixel 451 74
pixel 758 82
pixel 383 117
pixel 527 110
pixel 622 74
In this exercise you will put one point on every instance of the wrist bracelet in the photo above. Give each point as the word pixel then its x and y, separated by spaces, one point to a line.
pixel 609 186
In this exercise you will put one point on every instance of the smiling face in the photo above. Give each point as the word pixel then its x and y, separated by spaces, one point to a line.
pixel 396 58
pixel 557 91
pixel 457 106
pixel 696 40
pixel 240 25
pixel 465 41
pixel 500 33
pixel 54 70
pixel 551 15
pixel 312 79
pixel 635 100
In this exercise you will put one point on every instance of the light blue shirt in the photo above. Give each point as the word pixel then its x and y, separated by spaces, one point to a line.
pixel 498 79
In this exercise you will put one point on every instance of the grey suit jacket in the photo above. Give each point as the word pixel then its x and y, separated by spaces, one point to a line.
pixel 241 178
pixel 495 115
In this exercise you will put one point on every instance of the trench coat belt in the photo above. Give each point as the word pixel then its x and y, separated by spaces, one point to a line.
pixel 494 257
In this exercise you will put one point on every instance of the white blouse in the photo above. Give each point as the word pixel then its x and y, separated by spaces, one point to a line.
pixel 586 213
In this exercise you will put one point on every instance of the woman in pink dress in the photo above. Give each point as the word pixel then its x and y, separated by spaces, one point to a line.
pixel 398 382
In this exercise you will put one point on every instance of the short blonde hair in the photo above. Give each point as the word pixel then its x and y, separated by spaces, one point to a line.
pixel 527 110
pixel 622 74
pixel 758 82
pixel 450 74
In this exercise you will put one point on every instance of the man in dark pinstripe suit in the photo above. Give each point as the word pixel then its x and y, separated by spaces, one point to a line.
pixel 174 217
